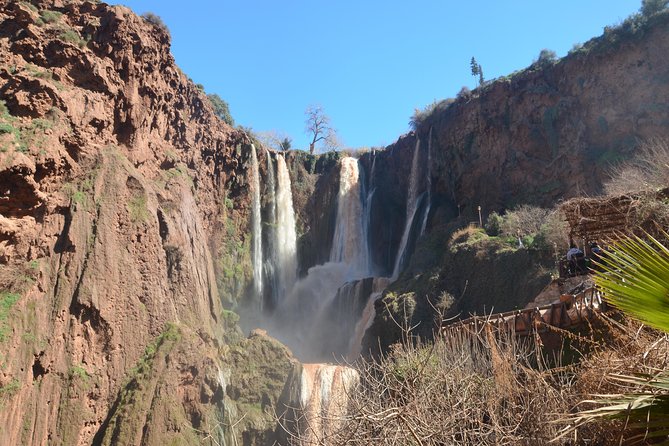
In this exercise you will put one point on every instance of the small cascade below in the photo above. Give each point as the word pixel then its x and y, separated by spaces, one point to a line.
pixel 366 318
pixel 256 231
pixel 286 237
pixel 411 210
pixel 350 231
pixel 317 400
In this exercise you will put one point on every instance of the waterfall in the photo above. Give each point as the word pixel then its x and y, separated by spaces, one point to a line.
pixel 349 244
pixel 286 238
pixel 428 181
pixel 256 251
pixel 366 318
pixel 304 318
pixel 411 208
pixel 366 222
pixel 324 396
pixel 272 291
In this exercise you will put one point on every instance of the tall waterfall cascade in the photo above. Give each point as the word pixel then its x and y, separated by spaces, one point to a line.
pixel 303 318
pixel 256 230
pixel 327 311
pixel 350 230
pixel 270 265
pixel 286 237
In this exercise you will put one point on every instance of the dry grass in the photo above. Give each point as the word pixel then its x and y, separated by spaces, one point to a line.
pixel 647 171
pixel 461 390
pixel 490 389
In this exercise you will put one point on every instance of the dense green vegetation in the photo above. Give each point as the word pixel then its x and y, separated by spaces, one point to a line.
pixel 221 109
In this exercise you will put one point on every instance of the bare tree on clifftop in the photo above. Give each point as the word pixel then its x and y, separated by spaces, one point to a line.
pixel 318 126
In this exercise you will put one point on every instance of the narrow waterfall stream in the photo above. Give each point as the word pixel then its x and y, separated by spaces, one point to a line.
pixel 428 181
pixel 411 209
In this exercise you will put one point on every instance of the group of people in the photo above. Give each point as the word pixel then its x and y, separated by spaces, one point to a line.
pixel 578 263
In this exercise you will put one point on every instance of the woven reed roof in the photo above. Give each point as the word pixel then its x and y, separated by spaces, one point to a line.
pixel 605 218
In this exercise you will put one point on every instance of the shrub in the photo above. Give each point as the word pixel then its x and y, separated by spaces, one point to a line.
pixel 524 220
pixel 50 16
pixel 9 389
pixel 575 48
pixel 156 21
pixel 71 36
pixel 464 93
pixel 138 210
pixel 427 115
pixel 553 234
pixel 493 225
pixel 538 228
pixel 546 57
pixel 6 127
pixel 221 109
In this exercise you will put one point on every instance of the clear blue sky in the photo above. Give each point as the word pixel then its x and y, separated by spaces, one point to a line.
pixel 369 63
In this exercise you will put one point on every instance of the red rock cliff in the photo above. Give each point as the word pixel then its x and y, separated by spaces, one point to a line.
pixel 122 193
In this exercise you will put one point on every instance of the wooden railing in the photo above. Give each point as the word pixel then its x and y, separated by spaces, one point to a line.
pixel 572 310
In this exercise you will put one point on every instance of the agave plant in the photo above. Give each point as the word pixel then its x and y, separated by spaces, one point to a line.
pixel 634 276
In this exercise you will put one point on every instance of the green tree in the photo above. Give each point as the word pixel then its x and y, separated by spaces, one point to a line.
pixel 221 109
pixel 477 70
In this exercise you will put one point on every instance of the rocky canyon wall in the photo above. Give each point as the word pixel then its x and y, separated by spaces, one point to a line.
pixel 124 219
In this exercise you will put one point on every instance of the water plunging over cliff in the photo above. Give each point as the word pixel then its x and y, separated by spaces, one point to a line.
pixel 256 251
pixel 411 209
pixel 350 238
pixel 271 258
pixel 303 318
pixel 286 238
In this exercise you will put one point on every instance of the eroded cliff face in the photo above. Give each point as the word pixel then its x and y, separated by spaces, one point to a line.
pixel 548 133
pixel 123 213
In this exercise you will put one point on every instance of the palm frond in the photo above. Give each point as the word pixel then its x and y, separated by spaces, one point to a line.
pixel 634 276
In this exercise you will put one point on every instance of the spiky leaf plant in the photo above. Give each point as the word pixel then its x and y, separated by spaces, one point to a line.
pixel 634 276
